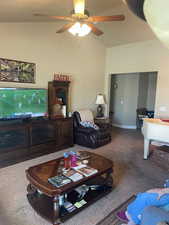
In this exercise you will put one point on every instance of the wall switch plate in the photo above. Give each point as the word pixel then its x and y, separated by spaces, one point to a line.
pixel 162 109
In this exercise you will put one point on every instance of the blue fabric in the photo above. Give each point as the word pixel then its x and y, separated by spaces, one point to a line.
pixel 89 124
pixel 144 200
pixel 165 207
pixel 153 215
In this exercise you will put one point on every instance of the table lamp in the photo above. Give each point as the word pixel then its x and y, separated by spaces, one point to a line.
pixel 100 101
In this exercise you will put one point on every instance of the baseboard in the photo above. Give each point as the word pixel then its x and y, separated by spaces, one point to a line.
pixel 124 126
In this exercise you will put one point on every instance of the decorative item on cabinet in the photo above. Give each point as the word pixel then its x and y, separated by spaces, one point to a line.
pixel 62 77
pixel 64 110
pixel 57 108
pixel 58 93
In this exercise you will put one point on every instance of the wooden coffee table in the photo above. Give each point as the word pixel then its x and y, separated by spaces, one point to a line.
pixel 45 198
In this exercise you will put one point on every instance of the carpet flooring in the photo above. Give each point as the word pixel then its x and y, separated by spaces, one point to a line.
pixel 111 218
pixel 132 174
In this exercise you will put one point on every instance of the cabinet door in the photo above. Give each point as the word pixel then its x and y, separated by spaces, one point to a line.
pixel 64 132
pixel 13 138
pixel 42 132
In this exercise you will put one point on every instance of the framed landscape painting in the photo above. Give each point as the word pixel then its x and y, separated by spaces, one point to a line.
pixel 17 71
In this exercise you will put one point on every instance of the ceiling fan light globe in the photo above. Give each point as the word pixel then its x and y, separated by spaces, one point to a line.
pixel 80 29
pixel 157 16
pixel 85 30
pixel 75 28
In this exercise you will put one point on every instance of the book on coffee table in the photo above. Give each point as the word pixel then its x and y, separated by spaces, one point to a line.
pixel 85 170
pixel 59 181
pixel 69 206
pixel 73 175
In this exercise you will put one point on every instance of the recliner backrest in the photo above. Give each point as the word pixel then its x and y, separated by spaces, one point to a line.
pixel 86 115
pixel 76 119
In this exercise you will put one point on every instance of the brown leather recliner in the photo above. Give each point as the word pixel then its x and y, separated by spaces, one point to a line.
pixel 89 137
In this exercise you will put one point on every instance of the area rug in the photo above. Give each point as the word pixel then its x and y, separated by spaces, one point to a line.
pixel 160 157
pixel 111 218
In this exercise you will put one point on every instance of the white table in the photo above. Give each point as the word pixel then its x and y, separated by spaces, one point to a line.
pixel 154 130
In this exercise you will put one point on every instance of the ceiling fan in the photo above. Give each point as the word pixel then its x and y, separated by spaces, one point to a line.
pixel 80 22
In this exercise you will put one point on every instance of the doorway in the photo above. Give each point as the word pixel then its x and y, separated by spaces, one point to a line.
pixel 129 93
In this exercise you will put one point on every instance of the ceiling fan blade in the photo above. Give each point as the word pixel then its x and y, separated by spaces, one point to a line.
pixel 67 18
pixel 79 6
pixel 105 18
pixel 64 28
pixel 95 30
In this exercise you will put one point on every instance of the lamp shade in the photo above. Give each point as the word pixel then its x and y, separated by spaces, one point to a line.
pixel 100 100
pixel 157 16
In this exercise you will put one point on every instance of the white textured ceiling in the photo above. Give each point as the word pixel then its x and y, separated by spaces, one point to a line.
pixel 131 30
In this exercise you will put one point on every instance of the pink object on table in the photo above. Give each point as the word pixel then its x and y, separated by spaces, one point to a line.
pixel 73 160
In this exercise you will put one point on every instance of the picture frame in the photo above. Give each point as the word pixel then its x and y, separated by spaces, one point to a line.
pixel 17 71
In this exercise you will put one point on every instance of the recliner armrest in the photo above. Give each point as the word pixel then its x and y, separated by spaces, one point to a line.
pixel 86 130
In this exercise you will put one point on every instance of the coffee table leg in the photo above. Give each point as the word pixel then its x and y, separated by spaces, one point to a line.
pixel 31 189
pixel 56 220
pixel 109 179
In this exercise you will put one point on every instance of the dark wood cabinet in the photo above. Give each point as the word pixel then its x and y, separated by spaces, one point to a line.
pixel 64 133
pixel 22 140
pixel 26 139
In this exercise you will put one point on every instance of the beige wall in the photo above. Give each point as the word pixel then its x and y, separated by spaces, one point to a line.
pixel 142 57
pixel 83 58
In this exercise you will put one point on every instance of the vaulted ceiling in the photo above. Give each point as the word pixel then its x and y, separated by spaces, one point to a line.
pixel 131 30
